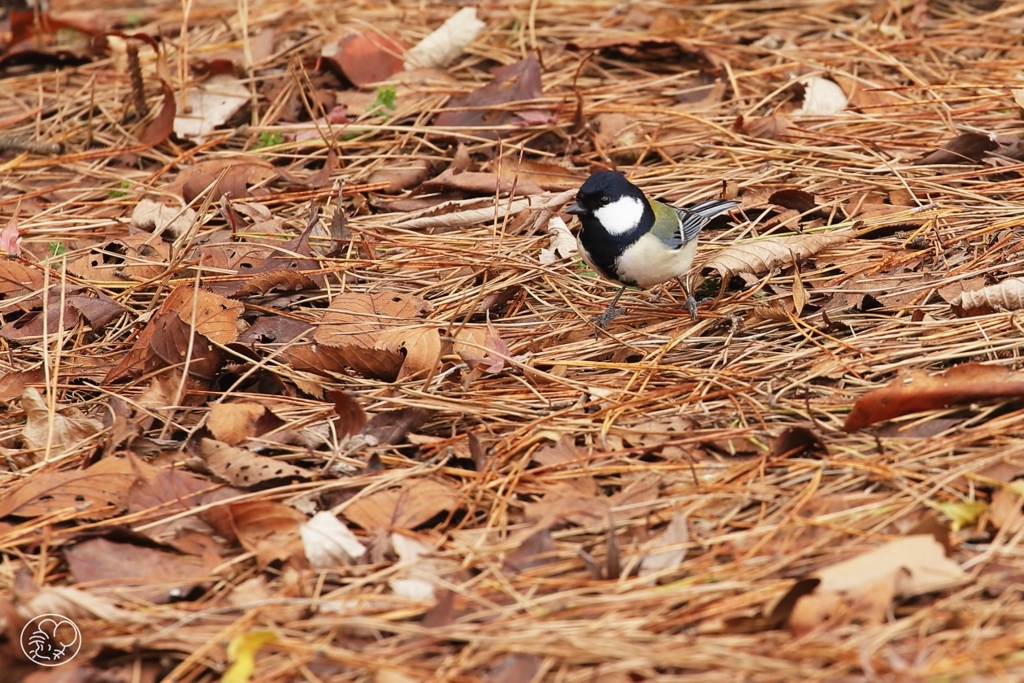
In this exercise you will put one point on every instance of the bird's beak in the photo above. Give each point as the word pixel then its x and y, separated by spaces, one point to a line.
pixel 575 209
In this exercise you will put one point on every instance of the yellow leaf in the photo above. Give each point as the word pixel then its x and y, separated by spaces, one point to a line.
pixel 242 653
pixel 961 513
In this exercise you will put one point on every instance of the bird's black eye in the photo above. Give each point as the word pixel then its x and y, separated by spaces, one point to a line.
pixel 604 200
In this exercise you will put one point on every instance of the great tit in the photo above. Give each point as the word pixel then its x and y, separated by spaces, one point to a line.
pixel 633 240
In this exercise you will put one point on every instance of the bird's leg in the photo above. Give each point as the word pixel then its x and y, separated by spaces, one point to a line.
pixel 691 303
pixel 610 313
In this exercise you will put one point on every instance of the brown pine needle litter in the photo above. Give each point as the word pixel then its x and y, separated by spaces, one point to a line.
pixel 460 481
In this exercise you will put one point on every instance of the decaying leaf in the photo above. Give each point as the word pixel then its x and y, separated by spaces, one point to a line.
pixel 446 42
pixel 668 549
pixel 481 347
pixel 10 237
pixel 66 432
pixel 409 551
pixel 822 97
pixel 210 104
pixel 328 542
pixel 239 173
pixel 383 321
pixel 240 467
pixel 919 391
pixel 138 257
pixel 17 281
pixel 234 422
pixel 968 148
pixel 562 244
pixel 1008 295
pixel 363 57
pixel 97 492
pixel 760 256
pixel 407 506
pixel 862 588
pixel 265 527
pixel 212 315
pixel 159 218
pixel 351 418
pixel 121 570
pixel 481 182
pixel 484 108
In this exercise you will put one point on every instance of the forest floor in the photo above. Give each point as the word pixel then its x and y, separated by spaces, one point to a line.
pixel 301 383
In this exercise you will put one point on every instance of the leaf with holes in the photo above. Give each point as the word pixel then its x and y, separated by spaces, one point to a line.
pixel 240 467
pixel 98 492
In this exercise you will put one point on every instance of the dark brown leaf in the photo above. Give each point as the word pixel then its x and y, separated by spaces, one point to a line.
pixel 968 148
pixel 161 127
pixel 391 426
pixel 796 441
pixel 351 418
pixel 798 200
pixel 514 82
pixel 918 392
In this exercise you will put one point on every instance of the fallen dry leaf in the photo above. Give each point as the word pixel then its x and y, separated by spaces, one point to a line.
pixel 968 148
pixel 133 257
pixel 760 256
pixel 407 506
pixel 446 42
pixel 234 422
pixel 867 584
pixel 484 108
pixel 269 529
pixel 66 432
pixel 562 243
pixel 212 315
pixel 1008 295
pixel 383 321
pixel 822 97
pixel 243 468
pixel 10 237
pixel 239 173
pixel 363 58
pixel 667 549
pixel 123 570
pixel 918 391
pixel 97 492
pixel 328 542
pixel 481 347
pixel 210 104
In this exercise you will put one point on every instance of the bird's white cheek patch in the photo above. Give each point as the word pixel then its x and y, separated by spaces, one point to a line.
pixel 621 216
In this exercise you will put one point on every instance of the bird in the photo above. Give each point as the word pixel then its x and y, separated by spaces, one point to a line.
pixel 632 240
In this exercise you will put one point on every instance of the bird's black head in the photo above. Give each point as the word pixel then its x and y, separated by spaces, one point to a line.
pixel 603 188
pixel 608 203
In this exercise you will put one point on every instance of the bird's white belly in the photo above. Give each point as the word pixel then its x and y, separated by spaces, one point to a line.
pixel 648 262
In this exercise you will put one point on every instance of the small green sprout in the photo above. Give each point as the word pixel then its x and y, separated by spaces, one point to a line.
pixel 57 248
pixel 386 95
pixel 268 139
pixel 115 194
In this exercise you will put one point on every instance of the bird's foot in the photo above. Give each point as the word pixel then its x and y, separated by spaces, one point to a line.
pixel 691 305
pixel 610 314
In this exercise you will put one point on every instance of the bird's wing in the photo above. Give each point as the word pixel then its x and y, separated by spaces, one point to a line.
pixel 677 227
pixel 693 219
